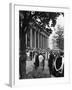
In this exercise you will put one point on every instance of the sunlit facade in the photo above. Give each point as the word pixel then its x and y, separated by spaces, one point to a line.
pixel 35 39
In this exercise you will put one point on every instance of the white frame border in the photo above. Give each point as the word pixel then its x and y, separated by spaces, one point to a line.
pixel 13 80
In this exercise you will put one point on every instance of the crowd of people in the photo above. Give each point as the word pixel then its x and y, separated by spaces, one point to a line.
pixel 55 62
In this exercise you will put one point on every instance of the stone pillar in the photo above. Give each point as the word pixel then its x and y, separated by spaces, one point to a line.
pixel 26 39
pixel 41 41
pixel 47 43
pixel 44 43
pixel 31 38
pixel 35 39
pixel 38 39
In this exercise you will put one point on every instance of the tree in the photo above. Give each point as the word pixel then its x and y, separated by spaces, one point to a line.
pixel 60 38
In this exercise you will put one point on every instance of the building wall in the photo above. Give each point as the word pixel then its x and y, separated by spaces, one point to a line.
pixel 36 39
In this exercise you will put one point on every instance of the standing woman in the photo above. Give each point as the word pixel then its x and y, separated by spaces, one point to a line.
pixel 50 62
pixel 36 61
pixel 41 61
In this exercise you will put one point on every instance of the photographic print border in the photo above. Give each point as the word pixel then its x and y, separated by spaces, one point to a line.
pixel 14 53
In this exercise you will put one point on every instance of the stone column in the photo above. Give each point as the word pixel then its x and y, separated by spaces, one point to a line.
pixel 41 40
pixel 38 39
pixel 44 42
pixel 31 38
pixel 35 39
pixel 26 39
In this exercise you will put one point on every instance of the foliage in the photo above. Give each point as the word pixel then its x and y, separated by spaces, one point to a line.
pixel 40 19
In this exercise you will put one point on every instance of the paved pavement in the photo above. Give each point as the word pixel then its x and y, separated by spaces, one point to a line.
pixel 30 68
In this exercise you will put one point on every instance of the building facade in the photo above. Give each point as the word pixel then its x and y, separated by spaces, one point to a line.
pixel 36 38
